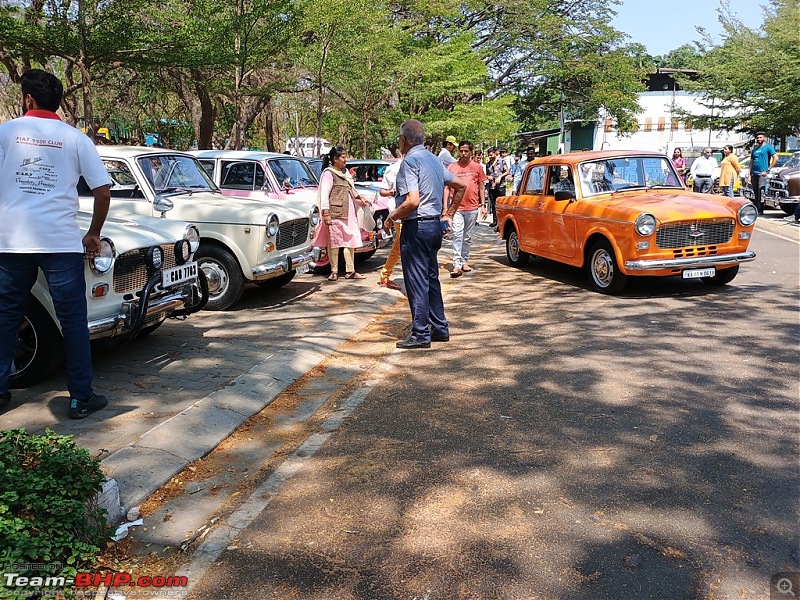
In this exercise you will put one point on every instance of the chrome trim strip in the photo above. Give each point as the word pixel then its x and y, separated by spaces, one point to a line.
pixel 119 322
pixel 517 209
pixel 690 263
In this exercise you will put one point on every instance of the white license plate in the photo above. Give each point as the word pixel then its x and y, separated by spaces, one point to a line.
pixel 304 268
pixel 697 273
pixel 179 274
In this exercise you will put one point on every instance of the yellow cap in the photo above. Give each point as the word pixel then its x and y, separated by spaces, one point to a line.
pixel 452 139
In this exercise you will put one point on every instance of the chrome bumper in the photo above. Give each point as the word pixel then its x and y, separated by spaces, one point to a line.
pixel 118 323
pixel 285 264
pixel 721 260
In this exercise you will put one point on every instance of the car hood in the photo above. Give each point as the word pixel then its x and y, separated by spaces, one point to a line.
pixel 127 234
pixel 668 206
pixel 208 207
pixel 789 172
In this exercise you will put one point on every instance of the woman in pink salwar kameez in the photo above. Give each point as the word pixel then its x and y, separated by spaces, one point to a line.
pixel 340 202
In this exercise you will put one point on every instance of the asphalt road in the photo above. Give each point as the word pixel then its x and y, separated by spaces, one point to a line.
pixel 562 445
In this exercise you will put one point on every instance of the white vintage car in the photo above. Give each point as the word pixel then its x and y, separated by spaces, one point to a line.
pixel 146 273
pixel 242 240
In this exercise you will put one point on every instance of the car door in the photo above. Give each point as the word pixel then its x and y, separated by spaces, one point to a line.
pixel 555 223
pixel 525 207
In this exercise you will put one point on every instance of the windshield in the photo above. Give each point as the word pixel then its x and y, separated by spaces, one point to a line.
pixel 612 174
pixel 291 173
pixel 793 161
pixel 175 172
pixel 782 160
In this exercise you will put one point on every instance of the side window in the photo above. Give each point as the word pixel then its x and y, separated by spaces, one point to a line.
pixel 237 176
pixel 533 185
pixel 124 183
pixel 560 179
pixel 208 167
pixel 262 183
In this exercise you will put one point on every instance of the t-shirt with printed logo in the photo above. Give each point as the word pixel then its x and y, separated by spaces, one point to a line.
pixel 473 176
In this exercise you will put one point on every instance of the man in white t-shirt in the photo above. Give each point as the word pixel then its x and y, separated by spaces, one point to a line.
pixel 41 161
pixel 446 153
pixel 388 190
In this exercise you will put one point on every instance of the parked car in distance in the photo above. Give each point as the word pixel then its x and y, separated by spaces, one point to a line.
pixel 274 178
pixel 783 188
pixel 146 273
pixel 315 164
pixel 242 240
pixel 620 214
pixel 747 188
pixel 368 177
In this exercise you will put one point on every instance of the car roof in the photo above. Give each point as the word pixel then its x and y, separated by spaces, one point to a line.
pixel 134 151
pixel 579 157
pixel 242 154
pixel 370 161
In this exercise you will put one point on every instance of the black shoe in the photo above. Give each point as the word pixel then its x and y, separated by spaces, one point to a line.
pixel 437 337
pixel 493 224
pixel 5 400
pixel 80 409
pixel 411 343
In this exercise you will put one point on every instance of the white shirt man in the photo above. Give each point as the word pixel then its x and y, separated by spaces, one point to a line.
pixel 703 170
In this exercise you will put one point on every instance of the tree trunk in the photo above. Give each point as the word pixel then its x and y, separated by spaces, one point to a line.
pixel 269 125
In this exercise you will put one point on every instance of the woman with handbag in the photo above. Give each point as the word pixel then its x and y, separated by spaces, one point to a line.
pixel 340 202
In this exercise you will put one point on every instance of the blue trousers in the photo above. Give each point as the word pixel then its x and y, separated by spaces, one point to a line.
pixel 420 242
pixel 64 273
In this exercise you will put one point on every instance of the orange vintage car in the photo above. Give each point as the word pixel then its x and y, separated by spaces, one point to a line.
pixel 621 214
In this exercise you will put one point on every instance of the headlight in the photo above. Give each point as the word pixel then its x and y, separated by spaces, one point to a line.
pixel 645 224
pixel 155 257
pixel 272 225
pixel 183 251
pixel 102 264
pixel 315 216
pixel 192 234
pixel 748 214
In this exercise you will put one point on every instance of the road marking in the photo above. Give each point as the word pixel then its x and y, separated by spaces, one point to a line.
pixel 777 236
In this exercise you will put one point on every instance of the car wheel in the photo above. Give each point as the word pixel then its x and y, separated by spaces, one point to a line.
pixel 516 257
pixel 723 276
pixel 39 348
pixel 279 281
pixel 150 329
pixel 604 273
pixel 225 279
pixel 361 256
pixel 787 208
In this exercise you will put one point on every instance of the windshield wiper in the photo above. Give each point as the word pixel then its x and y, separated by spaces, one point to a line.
pixel 630 187
pixel 176 191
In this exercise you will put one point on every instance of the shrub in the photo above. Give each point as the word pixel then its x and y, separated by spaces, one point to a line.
pixel 47 510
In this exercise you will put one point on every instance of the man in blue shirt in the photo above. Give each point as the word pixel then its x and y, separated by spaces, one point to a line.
pixel 762 157
pixel 420 188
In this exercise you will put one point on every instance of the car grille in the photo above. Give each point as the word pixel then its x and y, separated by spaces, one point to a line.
pixel 777 187
pixel 130 269
pixel 695 233
pixel 292 233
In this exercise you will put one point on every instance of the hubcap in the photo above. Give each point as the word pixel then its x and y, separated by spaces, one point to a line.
pixel 513 247
pixel 602 268
pixel 217 278
pixel 27 344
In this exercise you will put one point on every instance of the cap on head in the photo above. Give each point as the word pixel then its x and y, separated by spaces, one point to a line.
pixel 451 139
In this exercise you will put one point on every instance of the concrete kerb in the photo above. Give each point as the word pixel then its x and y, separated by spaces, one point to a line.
pixel 139 469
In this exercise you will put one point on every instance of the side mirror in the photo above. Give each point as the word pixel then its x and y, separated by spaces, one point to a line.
pixel 162 205
pixel 565 195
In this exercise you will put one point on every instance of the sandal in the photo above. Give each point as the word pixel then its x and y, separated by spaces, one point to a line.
pixel 354 275
pixel 466 268
pixel 333 277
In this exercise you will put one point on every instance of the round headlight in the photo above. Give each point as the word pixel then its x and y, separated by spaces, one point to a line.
pixel 645 224
pixel 102 264
pixel 273 225
pixel 182 251
pixel 748 214
pixel 315 216
pixel 192 234
pixel 155 257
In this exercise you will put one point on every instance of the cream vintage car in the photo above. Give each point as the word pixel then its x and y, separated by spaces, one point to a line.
pixel 242 240
pixel 145 274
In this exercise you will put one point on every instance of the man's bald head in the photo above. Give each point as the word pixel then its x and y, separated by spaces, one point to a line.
pixel 413 131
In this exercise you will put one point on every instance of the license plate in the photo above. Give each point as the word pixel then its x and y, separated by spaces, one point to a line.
pixel 697 273
pixel 179 274
pixel 303 268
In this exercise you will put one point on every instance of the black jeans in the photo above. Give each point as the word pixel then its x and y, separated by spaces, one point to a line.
pixel 755 182
pixel 494 194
